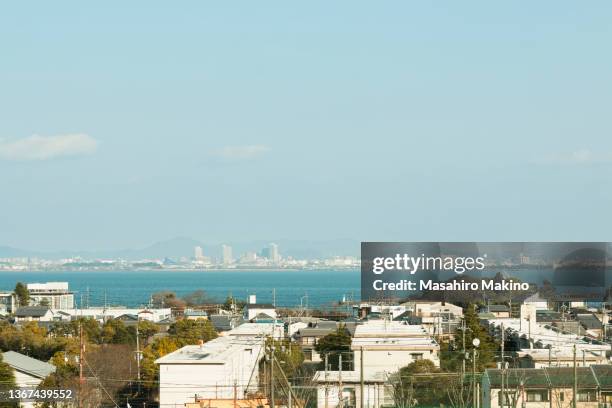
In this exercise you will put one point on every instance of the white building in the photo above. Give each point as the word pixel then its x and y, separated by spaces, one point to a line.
pixel 223 368
pixel 8 303
pixel 28 371
pixel 55 295
pixel 227 255
pixel 388 346
pixel 274 254
pixel 36 314
pixel 198 253
pixel 375 394
pixel 531 337
pixel 104 313
pixel 252 309
pixel 385 346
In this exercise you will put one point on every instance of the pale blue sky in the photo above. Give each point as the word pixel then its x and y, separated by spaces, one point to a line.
pixel 266 120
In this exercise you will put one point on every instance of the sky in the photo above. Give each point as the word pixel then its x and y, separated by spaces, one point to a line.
pixel 126 123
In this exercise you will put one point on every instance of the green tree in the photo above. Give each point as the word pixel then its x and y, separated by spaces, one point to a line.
pixel 232 304
pixel 419 384
pixel 334 344
pixel 146 330
pixel 452 356
pixel 186 331
pixel 115 332
pixel 7 382
pixel 22 293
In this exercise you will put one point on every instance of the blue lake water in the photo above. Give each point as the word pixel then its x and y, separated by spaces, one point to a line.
pixel 134 288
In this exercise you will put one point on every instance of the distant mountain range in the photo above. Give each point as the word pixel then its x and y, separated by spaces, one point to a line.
pixel 184 247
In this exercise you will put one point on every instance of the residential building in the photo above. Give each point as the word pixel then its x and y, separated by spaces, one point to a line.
pixel 224 368
pixel 35 314
pixel 102 314
pixel 252 309
pixel 537 301
pixel 225 322
pixel 545 387
pixel 375 393
pixel 387 346
pixel 309 336
pixel 8 303
pixel 193 314
pixel 438 318
pixel 54 295
pixel 560 357
pixel 29 372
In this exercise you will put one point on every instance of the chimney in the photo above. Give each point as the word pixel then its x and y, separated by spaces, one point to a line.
pixel 201 344
pixel 252 299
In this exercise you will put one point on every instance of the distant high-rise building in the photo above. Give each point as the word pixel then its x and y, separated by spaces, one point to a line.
pixel 265 253
pixel 198 253
pixel 227 254
pixel 274 255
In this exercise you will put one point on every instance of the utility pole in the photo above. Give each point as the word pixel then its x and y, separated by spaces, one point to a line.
pixel 326 386
pixel 340 402
pixel 138 351
pixel 503 366
pixel 475 396
pixel 361 376
pixel 81 357
pixel 463 335
pixel 575 380
pixel 272 377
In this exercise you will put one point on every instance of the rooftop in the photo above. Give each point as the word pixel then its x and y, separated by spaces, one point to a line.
pixel 384 328
pixel 28 365
pixel 560 377
pixel 31 311
pixel 216 351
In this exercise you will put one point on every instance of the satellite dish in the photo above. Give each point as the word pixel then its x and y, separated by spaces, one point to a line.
pixel 476 342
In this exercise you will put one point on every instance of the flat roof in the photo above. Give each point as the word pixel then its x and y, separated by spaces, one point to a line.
pixel 384 328
pixel 216 351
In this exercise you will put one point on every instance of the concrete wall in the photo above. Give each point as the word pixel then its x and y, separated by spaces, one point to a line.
pixel 390 360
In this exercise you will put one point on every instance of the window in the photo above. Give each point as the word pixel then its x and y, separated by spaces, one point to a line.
pixel 537 396
pixel 416 356
pixel 562 396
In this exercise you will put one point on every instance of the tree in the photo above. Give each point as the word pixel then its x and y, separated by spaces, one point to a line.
pixel 452 356
pixel 232 304
pixel 115 332
pixel 197 298
pixel 167 299
pixel 146 330
pixel 7 382
pixel 22 293
pixel 419 383
pixel 186 331
pixel 334 344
